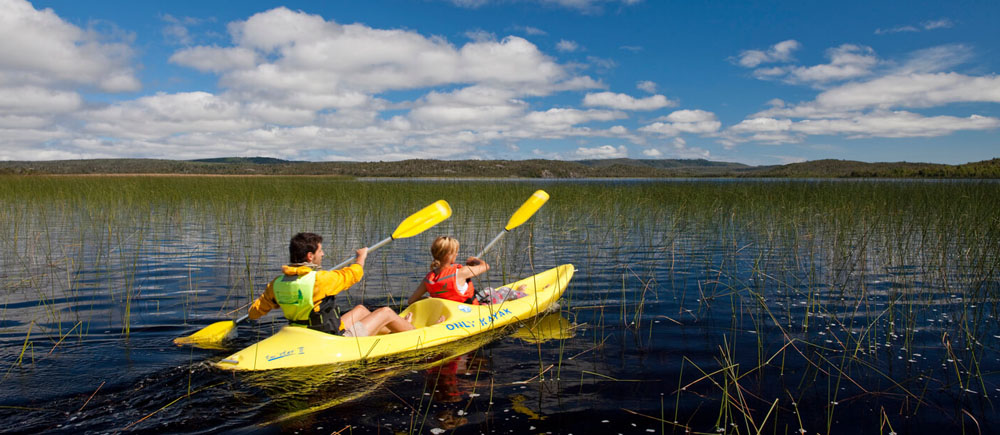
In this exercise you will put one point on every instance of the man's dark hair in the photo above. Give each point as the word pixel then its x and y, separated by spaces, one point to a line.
pixel 302 244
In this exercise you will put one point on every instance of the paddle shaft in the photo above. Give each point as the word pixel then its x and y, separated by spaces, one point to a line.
pixel 520 216
pixel 492 242
pixel 370 249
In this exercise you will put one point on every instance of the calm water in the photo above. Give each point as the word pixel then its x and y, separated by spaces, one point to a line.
pixel 680 317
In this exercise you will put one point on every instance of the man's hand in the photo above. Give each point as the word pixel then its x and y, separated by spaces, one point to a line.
pixel 361 255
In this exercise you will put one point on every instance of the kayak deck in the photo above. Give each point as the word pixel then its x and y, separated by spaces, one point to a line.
pixel 436 322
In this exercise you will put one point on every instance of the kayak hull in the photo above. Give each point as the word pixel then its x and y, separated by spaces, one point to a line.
pixel 302 347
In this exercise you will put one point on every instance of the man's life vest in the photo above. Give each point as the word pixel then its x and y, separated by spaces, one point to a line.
pixel 445 285
pixel 294 293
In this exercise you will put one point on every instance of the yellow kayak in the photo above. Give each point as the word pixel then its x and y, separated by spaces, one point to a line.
pixel 300 347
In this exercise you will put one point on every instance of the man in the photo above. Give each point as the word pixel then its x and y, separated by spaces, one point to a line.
pixel 306 295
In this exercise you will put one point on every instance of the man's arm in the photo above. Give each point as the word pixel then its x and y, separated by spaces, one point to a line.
pixel 264 303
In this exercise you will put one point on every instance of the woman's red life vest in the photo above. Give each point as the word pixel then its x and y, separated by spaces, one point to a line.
pixel 444 285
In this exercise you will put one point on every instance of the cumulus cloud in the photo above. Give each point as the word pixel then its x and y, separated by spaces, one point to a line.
pixel 869 109
pixel 602 152
pixel 847 62
pixel 879 123
pixel 780 52
pixel 284 52
pixel 44 65
pixel 684 121
pixel 907 90
pixel 677 149
pixel 41 49
pixel 626 102
pixel 292 85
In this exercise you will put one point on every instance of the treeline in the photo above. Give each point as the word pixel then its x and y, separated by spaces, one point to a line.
pixel 853 169
pixel 613 168
pixel 622 168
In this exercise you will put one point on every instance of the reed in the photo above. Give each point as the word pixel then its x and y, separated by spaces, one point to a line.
pixel 828 293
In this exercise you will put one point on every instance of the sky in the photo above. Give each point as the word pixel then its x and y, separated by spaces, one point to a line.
pixel 758 82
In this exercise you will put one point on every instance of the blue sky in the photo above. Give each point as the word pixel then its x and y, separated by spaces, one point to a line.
pixel 751 82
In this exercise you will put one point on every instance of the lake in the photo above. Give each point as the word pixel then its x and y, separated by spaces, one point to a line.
pixel 702 306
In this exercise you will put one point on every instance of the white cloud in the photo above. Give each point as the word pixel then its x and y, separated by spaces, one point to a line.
pixel 468 107
pixel 534 31
pixel 480 35
pixel 784 160
pixel 280 52
pixel 684 121
pixel 626 102
pixel 298 61
pixel 215 59
pixel 164 115
pixel 780 52
pixel 912 90
pixel 602 152
pixel 677 149
pixel 935 59
pixel 847 62
pixel 942 23
pixel 175 29
pixel 894 125
pixel 602 63
pixel 28 100
pixel 561 119
pixel 40 49
pixel 646 85
pixel 584 6
pixel 567 46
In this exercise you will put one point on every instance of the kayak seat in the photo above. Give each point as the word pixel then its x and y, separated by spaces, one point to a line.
pixel 427 312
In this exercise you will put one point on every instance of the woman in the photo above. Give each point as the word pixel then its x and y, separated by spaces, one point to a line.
pixel 446 279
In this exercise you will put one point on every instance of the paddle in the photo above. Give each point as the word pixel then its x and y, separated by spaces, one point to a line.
pixel 211 335
pixel 520 216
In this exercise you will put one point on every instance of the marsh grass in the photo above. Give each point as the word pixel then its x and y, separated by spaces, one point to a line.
pixel 816 297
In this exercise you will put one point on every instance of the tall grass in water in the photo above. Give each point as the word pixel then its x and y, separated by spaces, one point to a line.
pixel 809 300
pixel 863 287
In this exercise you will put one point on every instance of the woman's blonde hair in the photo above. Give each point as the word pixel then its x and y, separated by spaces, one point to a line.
pixel 441 248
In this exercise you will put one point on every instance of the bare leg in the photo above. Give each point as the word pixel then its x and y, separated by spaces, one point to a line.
pixel 385 317
pixel 355 315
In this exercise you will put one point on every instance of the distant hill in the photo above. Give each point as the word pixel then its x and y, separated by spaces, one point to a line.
pixel 854 169
pixel 610 168
pixel 241 160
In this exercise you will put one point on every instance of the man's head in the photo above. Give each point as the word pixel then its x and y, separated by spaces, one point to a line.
pixel 306 248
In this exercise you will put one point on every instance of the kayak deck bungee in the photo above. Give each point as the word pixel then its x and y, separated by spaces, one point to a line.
pixel 300 347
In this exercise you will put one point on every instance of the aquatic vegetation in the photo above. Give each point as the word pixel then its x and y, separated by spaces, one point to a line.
pixel 698 305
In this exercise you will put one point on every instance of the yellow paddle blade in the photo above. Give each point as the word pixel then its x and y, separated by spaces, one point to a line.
pixel 423 220
pixel 210 336
pixel 527 209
